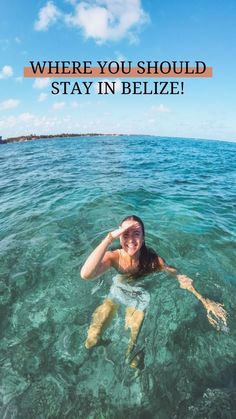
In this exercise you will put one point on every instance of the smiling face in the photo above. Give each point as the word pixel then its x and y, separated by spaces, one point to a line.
pixel 132 239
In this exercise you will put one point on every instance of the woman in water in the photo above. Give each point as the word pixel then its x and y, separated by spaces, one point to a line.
pixel 133 260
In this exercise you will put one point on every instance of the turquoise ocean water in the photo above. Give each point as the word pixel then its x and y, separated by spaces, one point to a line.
pixel 58 199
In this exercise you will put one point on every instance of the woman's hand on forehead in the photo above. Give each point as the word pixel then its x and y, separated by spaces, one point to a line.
pixel 133 225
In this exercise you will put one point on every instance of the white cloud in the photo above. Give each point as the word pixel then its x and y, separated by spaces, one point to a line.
pixel 26 122
pixel 41 83
pixel 30 123
pixel 47 16
pixel 160 108
pixel 6 71
pixel 42 97
pixel 9 104
pixel 102 20
pixel 25 117
pixel 93 20
pixel 106 20
pixel 17 121
pixel 58 105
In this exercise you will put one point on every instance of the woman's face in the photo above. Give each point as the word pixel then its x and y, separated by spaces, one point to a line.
pixel 132 239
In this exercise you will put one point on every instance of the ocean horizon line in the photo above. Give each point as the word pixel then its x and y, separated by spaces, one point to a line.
pixel 35 137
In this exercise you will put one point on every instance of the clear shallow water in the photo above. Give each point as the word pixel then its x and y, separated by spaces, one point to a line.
pixel 58 199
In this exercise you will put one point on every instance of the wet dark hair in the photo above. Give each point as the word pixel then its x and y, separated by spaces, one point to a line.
pixel 148 259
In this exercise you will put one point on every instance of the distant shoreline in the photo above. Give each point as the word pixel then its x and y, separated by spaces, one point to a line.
pixel 33 137
pixel 25 138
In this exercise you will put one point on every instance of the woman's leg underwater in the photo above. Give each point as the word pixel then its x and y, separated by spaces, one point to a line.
pixel 133 321
pixel 100 319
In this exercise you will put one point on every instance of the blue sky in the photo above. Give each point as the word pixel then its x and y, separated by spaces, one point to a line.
pixel 118 30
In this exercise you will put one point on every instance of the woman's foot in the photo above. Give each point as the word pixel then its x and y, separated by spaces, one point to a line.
pixel 93 337
pixel 89 343
pixel 137 359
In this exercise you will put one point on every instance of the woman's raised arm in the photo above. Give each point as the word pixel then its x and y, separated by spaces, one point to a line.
pixel 100 259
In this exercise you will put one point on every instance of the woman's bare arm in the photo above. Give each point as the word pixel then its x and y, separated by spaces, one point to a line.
pixel 213 308
pixel 100 259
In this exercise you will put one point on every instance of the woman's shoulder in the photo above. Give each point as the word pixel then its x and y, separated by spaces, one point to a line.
pixel 161 261
pixel 113 257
